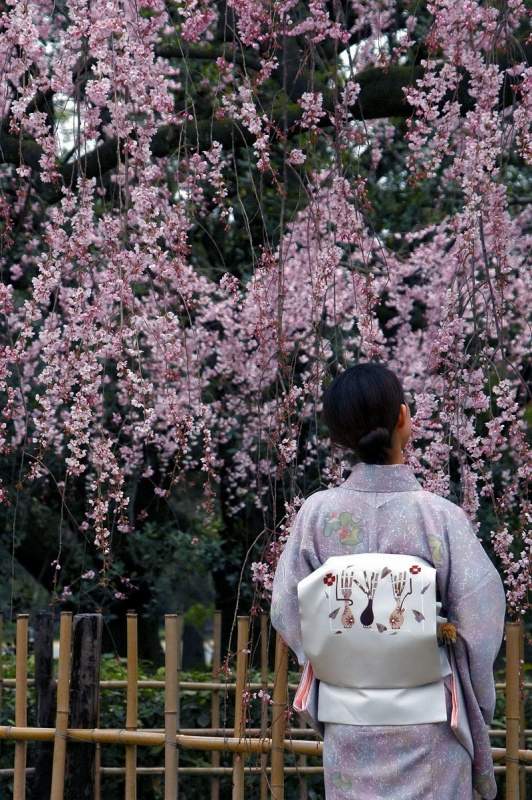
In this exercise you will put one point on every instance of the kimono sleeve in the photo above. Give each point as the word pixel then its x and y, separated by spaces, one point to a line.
pixel 295 563
pixel 476 603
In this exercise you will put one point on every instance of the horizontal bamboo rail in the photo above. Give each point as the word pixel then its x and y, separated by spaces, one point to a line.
pixel 154 739
pixel 195 686
pixel 216 771
pixel 294 733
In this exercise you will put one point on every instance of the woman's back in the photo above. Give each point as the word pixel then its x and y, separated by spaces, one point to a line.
pixel 383 509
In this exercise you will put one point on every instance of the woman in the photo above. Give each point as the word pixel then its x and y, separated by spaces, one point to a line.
pixel 381 508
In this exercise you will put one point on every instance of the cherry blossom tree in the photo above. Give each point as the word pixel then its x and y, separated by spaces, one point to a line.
pixel 208 208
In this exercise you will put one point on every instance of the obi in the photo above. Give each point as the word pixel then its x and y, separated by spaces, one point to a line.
pixel 369 632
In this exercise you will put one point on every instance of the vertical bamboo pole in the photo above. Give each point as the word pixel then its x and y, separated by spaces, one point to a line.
pixel 180 625
pixel 1 659
pixel 513 674
pixel 279 718
pixel 215 697
pixel 240 713
pixel 131 704
pixel 98 756
pixel 170 705
pixel 63 699
pixel 522 716
pixel 21 705
pixel 264 705
pixel 98 767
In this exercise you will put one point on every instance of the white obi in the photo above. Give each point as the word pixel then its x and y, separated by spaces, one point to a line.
pixel 368 625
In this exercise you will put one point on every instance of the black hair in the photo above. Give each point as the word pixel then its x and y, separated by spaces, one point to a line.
pixel 361 408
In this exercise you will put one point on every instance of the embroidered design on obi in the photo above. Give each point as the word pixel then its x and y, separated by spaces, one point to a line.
pixel 401 583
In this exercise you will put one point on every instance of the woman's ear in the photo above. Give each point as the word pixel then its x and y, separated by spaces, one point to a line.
pixel 403 416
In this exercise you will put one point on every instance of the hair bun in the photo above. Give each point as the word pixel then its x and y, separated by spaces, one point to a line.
pixel 373 446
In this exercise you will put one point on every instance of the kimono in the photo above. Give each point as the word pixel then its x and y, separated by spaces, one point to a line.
pixel 383 509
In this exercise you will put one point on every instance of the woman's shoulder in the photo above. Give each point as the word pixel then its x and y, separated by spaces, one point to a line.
pixel 323 501
pixel 317 499
pixel 439 502
pixel 442 506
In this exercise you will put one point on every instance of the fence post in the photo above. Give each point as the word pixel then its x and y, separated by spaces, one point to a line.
pixel 264 705
pixel 514 631
pixel 280 688
pixel 45 691
pixel 240 711
pixel 84 703
pixel 180 629
pixel 61 717
pixel 1 659
pixel 522 715
pixel 21 705
pixel 215 697
pixel 132 704
pixel 172 646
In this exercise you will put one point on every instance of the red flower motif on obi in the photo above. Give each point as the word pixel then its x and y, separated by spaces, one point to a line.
pixel 414 569
pixel 329 579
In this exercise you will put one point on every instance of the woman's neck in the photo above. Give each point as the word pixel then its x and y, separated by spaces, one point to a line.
pixel 396 455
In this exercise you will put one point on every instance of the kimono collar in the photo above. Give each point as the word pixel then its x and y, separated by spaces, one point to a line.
pixel 382 478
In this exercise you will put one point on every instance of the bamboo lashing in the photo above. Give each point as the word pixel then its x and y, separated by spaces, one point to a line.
pixel 172 642
pixel 215 697
pixel 131 704
pixel 264 706
pixel 21 705
pixel 240 711
pixel 279 718
pixel 63 701
pixel 513 674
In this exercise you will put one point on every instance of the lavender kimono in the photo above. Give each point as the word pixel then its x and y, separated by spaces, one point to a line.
pixel 384 509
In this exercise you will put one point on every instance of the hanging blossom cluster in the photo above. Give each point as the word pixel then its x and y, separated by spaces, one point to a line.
pixel 116 346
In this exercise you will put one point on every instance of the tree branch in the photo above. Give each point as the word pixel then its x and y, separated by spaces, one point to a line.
pixel 382 95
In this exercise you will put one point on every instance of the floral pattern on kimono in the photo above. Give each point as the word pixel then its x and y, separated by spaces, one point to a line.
pixel 342 525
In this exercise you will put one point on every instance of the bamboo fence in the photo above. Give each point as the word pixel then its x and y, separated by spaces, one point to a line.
pixel 270 743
